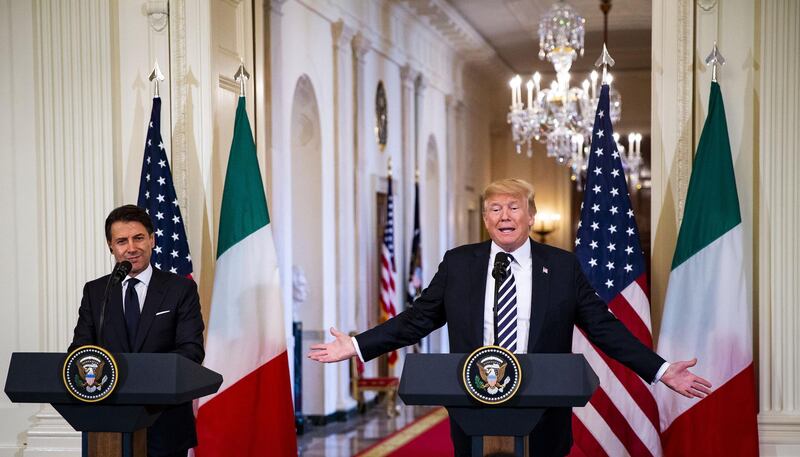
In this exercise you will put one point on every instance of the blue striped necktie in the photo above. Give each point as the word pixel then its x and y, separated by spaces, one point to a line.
pixel 507 310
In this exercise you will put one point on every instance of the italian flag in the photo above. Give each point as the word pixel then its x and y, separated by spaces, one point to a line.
pixel 252 413
pixel 707 313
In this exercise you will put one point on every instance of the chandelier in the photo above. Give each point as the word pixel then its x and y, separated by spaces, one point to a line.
pixel 559 116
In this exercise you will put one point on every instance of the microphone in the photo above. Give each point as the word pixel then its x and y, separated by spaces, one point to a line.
pixel 117 275
pixel 119 272
pixel 501 263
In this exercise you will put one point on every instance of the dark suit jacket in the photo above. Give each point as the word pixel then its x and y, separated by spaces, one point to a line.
pixel 179 330
pixel 561 298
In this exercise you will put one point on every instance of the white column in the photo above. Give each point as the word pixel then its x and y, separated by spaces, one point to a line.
pixel 454 149
pixel 671 127
pixel 280 162
pixel 363 189
pixel 76 175
pixel 346 285
pixel 409 166
pixel 778 248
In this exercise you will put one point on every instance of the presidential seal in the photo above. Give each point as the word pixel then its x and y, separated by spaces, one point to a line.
pixel 90 373
pixel 492 375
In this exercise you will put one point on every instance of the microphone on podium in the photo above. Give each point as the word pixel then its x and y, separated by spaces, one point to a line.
pixel 119 272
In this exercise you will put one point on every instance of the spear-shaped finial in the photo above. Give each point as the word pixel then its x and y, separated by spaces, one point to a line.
pixel 715 59
pixel 156 76
pixel 606 61
pixel 242 76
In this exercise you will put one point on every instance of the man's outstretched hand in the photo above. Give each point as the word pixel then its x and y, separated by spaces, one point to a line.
pixel 341 348
pixel 681 380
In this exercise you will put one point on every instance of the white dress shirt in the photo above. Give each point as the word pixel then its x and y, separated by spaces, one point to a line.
pixel 523 280
pixel 141 286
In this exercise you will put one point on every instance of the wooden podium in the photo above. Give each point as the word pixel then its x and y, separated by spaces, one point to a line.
pixel 117 425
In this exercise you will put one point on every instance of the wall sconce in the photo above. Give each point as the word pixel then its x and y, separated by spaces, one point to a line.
pixel 544 224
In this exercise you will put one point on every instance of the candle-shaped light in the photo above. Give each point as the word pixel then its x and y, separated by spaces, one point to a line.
pixel 632 144
pixel 638 144
pixel 593 77
pixel 536 79
pixel 513 92
pixel 530 94
pixel 585 86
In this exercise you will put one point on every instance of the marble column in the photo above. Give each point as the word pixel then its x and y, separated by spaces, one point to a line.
pixel 364 210
pixel 76 169
pixel 671 127
pixel 777 248
pixel 452 159
pixel 408 150
pixel 345 191
pixel 280 159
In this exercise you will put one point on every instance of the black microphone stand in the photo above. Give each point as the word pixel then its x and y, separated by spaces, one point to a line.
pixel 117 275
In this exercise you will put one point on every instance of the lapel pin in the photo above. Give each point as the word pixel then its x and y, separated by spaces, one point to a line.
pixel 544 270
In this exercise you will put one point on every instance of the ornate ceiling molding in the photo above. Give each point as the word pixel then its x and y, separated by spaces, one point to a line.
pixel 452 27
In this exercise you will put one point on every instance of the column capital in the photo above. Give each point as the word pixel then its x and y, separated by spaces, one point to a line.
pixel 408 76
pixel 361 45
pixel 421 83
pixel 275 6
pixel 454 104
pixel 342 34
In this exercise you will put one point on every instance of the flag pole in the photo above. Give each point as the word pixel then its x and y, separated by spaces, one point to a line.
pixel 242 76
pixel 157 77
pixel 715 59
pixel 605 61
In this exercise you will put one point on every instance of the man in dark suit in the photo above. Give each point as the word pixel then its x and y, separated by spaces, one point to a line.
pixel 150 311
pixel 549 296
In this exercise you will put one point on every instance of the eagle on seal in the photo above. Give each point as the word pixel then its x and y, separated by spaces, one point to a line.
pixel 90 374
pixel 491 373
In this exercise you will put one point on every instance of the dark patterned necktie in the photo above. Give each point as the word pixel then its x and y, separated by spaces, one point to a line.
pixel 132 311
pixel 507 311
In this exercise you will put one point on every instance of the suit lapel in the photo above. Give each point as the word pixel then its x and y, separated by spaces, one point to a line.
pixel 540 294
pixel 114 329
pixel 155 294
pixel 478 269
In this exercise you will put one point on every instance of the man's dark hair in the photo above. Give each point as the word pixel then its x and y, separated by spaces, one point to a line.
pixel 128 213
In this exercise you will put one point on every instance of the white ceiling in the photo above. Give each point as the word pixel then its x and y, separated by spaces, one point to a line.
pixel 511 28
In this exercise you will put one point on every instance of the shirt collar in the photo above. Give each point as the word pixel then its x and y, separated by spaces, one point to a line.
pixel 522 253
pixel 143 277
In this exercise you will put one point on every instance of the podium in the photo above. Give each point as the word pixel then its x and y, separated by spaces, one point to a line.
pixel 548 381
pixel 117 425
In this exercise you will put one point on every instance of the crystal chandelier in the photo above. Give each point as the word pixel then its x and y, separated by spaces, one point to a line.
pixel 631 158
pixel 559 116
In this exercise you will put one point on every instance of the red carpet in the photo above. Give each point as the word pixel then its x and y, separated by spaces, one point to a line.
pixel 428 436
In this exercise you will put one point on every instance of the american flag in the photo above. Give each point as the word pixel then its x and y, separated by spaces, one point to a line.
pixel 388 270
pixel 157 196
pixel 622 416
